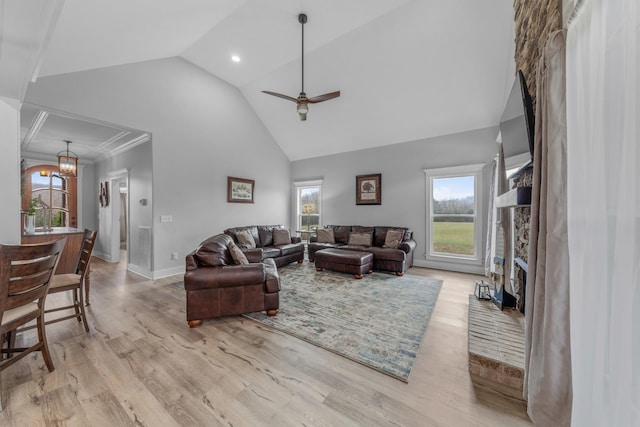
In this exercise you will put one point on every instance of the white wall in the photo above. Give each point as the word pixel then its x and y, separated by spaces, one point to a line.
pixel 403 181
pixel 10 227
pixel 203 131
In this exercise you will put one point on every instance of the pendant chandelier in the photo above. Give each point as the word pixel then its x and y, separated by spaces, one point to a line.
pixel 67 161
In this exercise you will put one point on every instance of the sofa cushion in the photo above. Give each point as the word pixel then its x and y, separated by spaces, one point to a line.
pixel 251 228
pixel 387 254
pixel 237 255
pixel 290 249
pixel 281 237
pixel 381 234
pixel 341 233
pixel 325 235
pixel 213 252
pixel 266 234
pixel 245 239
pixel 393 239
pixel 362 229
pixel 271 252
pixel 363 239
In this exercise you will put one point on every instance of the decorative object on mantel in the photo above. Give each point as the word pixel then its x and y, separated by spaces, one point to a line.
pixel 368 189
pixel 68 161
pixel 240 190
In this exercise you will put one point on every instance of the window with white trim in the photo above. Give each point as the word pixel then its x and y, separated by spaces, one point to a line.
pixel 308 205
pixel 453 212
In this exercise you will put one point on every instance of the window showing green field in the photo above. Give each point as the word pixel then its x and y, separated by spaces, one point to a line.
pixel 454 238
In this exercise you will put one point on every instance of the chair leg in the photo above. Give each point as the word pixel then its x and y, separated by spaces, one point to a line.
pixel 44 349
pixel 76 300
pixel 83 314
pixel 10 339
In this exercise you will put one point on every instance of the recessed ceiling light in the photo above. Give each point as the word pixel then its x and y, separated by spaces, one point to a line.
pixel 235 58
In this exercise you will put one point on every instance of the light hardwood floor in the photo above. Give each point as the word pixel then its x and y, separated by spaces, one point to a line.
pixel 141 365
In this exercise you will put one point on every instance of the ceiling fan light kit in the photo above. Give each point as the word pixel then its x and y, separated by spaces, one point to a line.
pixel 302 101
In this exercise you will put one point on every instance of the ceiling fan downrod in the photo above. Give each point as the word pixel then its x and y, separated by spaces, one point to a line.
pixel 302 19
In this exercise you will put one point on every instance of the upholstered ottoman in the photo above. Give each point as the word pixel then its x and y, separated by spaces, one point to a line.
pixel 343 261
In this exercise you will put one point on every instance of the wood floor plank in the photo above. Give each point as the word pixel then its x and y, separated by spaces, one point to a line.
pixel 141 365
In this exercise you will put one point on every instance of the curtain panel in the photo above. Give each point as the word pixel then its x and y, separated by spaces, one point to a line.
pixel 547 385
pixel 603 153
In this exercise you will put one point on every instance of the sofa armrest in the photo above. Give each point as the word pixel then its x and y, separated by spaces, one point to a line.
pixel 224 277
pixel 408 246
pixel 191 262
pixel 296 239
pixel 313 239
pixel 253 255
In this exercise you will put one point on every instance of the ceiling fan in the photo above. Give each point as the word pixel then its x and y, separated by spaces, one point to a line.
pixel 302 101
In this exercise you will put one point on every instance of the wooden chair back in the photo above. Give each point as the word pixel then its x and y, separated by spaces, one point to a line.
pixel 86 248
pixel 25 272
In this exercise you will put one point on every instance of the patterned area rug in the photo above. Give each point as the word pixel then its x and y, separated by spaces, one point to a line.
pixel 378 321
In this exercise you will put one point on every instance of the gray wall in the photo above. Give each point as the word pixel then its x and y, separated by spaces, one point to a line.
pixel 203 131
pixel 10 226
pixel 138 161
pixel 403 180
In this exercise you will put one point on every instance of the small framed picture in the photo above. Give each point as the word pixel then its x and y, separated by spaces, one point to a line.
pixel 368 191
pixel 240 190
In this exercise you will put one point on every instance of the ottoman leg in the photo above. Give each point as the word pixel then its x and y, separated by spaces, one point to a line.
pixel 399 273
pixel 272 312
pixel 358 276
pixel 318 269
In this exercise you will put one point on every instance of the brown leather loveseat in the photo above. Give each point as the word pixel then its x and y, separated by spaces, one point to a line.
pixel 396 258
pixel 216 286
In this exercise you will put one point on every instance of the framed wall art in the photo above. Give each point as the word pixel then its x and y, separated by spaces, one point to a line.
pixel 240 190
pixel 368 191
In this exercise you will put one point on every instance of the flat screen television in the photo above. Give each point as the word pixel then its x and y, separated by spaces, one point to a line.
pixel 518 123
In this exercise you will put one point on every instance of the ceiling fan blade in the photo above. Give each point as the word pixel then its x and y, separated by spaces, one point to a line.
pixel 325 97
pixel 279 95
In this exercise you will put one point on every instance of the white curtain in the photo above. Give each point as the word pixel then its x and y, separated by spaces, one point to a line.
pixel 547 384
pixel 603 155
pixel 491 220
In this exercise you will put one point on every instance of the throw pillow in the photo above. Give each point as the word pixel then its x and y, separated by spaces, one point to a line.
pixel 325 235
pixel 237 255
pixel 393 239
pixel 360 239
pixel 281 236
pixel 245 239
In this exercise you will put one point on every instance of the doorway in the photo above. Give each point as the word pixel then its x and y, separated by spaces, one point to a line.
pixel 119 229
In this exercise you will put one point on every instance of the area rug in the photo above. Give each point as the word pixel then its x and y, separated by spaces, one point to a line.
pixel 377 321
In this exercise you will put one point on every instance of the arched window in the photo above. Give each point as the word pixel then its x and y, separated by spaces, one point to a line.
pixel 57 194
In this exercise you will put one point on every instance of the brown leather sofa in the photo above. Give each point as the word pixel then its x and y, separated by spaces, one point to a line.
pixel 217 287
pixel 396 260
pixel 263 237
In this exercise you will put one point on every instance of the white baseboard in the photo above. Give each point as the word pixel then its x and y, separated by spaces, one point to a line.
pixel 104 257
pixel 140 271
pixel 169 272
pixel 450 266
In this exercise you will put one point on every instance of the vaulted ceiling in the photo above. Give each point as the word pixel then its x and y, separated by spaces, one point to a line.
pixel 406 69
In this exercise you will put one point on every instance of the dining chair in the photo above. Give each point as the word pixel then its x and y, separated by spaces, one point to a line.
pixel 25 277
pixel 73 282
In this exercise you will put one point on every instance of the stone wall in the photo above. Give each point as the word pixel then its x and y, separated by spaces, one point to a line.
pixel 534 21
